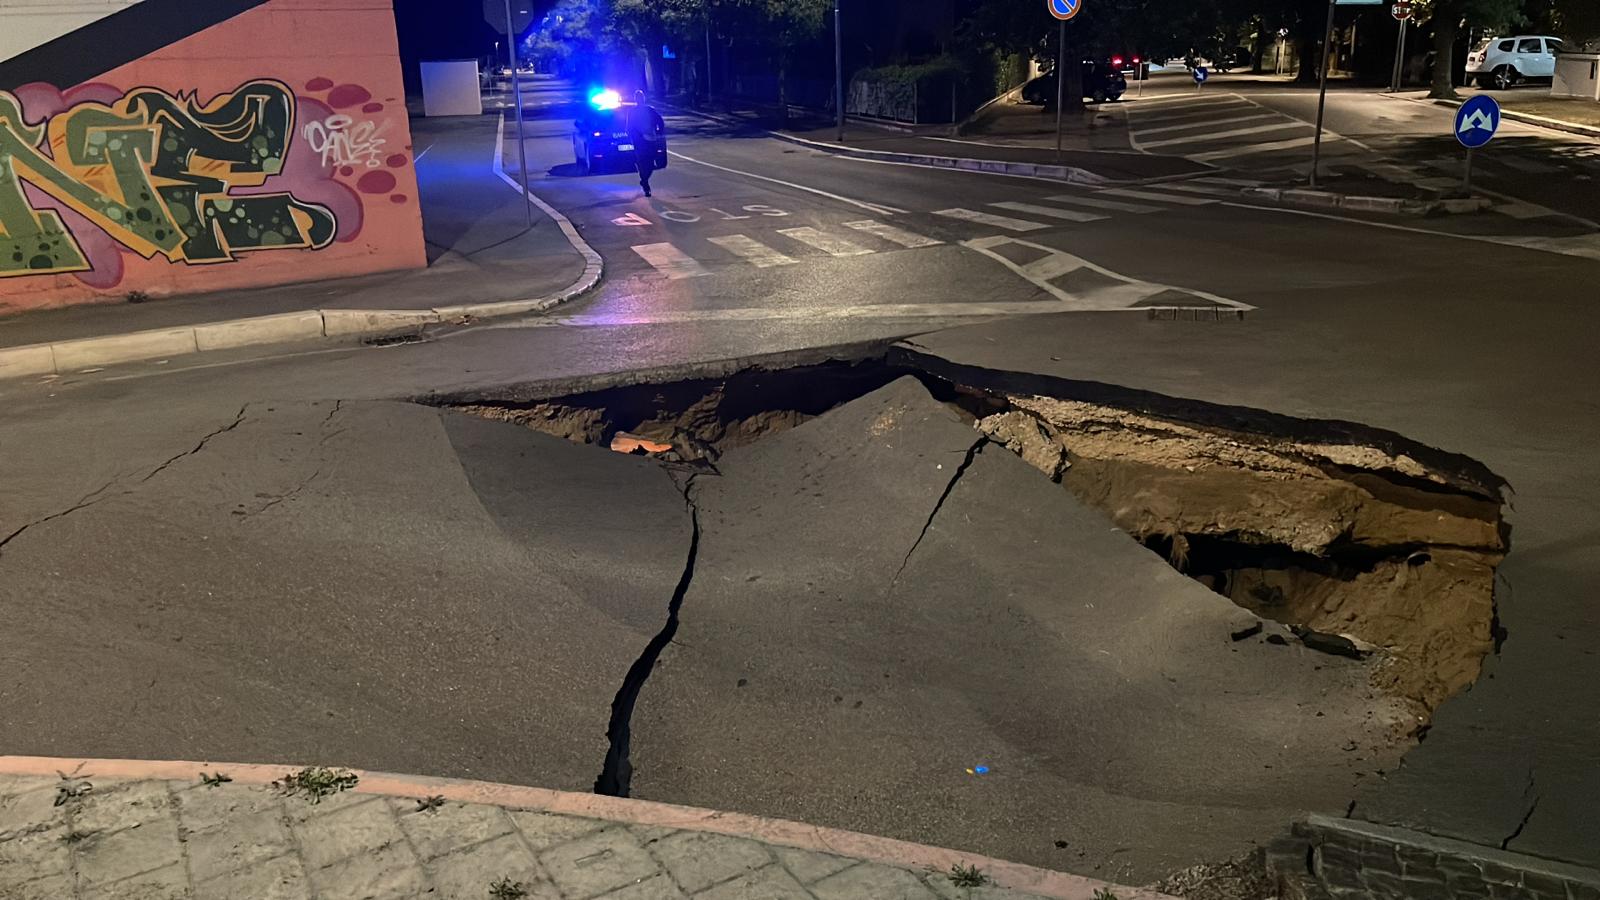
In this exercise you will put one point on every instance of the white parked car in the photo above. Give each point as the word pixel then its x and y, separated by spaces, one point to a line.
pixel 1501 62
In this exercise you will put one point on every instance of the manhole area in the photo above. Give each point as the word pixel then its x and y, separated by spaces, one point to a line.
pixel 1359 550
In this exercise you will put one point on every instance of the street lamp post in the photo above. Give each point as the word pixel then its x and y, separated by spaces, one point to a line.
pixel 838 70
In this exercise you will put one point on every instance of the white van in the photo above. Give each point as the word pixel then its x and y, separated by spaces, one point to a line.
pixel 1501 62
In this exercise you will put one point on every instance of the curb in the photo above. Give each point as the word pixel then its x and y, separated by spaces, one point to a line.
pixel 1067 174
pixel 1531 119
pixel 887 851
pixel 1393 205
pixel 337 325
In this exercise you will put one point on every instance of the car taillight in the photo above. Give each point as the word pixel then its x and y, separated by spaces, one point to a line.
pixel 1136 60
pixel 1116 60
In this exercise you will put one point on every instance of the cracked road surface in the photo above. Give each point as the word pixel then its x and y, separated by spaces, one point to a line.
pixel 386 585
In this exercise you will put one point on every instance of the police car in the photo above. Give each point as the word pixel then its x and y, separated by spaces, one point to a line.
pixel 600 138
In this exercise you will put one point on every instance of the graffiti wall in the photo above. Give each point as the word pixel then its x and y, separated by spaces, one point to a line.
pixel 270 146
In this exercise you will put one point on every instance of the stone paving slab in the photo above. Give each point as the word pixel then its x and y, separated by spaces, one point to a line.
pixel 133 830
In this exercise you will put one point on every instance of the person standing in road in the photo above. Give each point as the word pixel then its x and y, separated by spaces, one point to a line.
pixel 647 132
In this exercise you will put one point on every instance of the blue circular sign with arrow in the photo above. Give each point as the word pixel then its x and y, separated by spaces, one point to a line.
pixel 1200 74
pixel 1477 120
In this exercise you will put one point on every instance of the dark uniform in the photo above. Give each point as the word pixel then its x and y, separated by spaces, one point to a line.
pixel 646 131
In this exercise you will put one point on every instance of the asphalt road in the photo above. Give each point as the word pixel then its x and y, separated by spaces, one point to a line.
pixel 283 560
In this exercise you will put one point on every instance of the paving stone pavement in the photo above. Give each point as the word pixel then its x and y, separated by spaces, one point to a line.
pixel 78 836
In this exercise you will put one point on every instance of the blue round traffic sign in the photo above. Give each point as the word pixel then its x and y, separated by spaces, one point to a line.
pixel 1477 120
pixel 1200 74
pixel 1065 9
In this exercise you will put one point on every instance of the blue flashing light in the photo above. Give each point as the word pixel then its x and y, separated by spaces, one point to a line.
pixel 605 99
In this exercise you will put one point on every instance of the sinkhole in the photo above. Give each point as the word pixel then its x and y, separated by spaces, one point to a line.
pixel 1358 542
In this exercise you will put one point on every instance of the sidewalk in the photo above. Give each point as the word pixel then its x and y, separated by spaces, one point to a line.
pixel 483 260
pixel 138 830
pixel 1034 157
pixel 1532 107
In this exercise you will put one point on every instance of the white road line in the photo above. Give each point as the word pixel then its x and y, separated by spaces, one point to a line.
pixel 1530 166
pixel 1055 263
pixel 1151 101
pixel 670 261
pixel 1054 212
pixel 994 221
pixel 756 253
pixel 1219 135
pixel 870 207
pixel 1159 198
pixel 1517 209
pixel 1204 122
pixel 789 313
pixel 1097 203
pixel 892 234
pixel 1212 190
pixel 1236 182
pixel 827 243
pixel 1247 149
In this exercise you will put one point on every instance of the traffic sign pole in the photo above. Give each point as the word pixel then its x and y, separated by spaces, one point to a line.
pixel 1322 94
pixel 1466 175
pixel 1061 83
pixel 838 69
pixel 1399 56
pixel 516 97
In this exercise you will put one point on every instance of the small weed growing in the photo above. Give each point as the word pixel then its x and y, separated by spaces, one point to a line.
pixel 71 790
pixel 1105 894
pixel 430 804
pixel 316 782
pixel 74 836
pixel 138 297
pixel 506 889
pixel 215 779
pixel 967 876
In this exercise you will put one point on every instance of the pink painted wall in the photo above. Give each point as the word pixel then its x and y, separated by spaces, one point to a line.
pixel 349 158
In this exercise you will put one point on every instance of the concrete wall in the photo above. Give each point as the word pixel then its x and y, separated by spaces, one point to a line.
pixel 25 24
pixel 272 146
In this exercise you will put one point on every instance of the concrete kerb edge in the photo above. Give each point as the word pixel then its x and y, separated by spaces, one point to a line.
pixel 1066 174
pixel 1394 205
pixel 887 851
pixel 1527 118
pixel 64 357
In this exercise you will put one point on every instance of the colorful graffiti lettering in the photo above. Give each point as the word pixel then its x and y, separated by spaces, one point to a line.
pixel 343 141
pixel 157 173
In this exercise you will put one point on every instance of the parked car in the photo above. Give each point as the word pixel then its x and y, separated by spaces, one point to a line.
pixel 1101 82
pixel 600 137
pixel 1500 62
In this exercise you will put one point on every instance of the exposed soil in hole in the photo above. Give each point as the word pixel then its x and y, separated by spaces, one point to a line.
pixel 1361 550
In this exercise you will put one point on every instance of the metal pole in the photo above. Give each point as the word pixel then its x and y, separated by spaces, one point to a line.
pixel 1466 176
pixel 708 55
pixel 516 97
pixel 838 70
pixel 1399 56
pixel 1322 94
pixel 1061 82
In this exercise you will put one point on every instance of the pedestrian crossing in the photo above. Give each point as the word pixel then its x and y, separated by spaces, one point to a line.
pixel 1219 128
pixel 692 256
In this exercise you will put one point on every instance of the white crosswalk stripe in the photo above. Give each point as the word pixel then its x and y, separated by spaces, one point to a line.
pixel 993 221
pixel 1246 149
pixel 892 234
pixel 1517 209
pixel 1098 203
pixel 827 243
pixel 1054 212
pixel 758 254
pixel 1132 194
pixel 1141 132
pixel 670 261
pixel 1219 135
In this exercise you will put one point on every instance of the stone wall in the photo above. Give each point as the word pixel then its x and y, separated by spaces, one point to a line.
pixel 1325 858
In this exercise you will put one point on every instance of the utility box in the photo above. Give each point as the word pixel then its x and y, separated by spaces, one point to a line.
pixel 450 87
pixel 1577 75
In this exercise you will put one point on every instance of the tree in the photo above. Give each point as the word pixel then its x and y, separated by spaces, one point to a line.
pixel 1447 17
pixel 786 24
